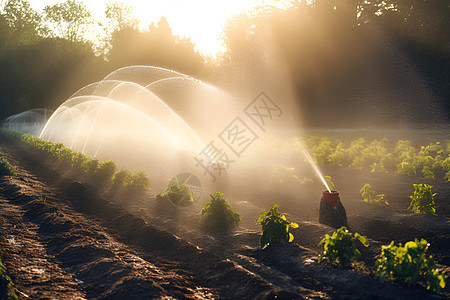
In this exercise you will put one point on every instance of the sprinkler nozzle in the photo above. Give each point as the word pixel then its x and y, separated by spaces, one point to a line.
pixel 332 212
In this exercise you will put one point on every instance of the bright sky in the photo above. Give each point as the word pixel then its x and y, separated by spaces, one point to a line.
pixel 201 20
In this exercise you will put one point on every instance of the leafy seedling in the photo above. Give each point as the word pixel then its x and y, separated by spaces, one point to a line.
pixel 179 193
pixel 218 215
pixel 275 227
pixel 339 249
pixel 329 182
pixel 409 264
pixel 422 201
pixel 368 194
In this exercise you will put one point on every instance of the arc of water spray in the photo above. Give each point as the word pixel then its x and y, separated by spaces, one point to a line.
pixel 99 110
pixel 163 130
pixel 311 162
pixel 53 118
pixel 177 116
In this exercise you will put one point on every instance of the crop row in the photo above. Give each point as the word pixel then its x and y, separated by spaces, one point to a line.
pixel 5 167
pixel 404 264
pixel 6 285
pixel 382 156
pixel 100 172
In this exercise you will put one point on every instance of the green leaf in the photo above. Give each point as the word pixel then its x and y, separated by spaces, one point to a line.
pixel 362 239
pixel 291 237
pixel 275 227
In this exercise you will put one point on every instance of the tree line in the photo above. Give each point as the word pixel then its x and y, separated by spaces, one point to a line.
pixel 342 55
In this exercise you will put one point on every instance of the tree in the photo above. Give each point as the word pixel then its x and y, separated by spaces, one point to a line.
pixel 156 46
pixel 121 25
pixel 25 23
pixel 119 16
pixel 71 20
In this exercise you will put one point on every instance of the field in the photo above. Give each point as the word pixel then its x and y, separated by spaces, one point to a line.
pixel 65 232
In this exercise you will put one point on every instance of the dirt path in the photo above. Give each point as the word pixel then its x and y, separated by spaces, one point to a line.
pixel 51 251
pixel 77 244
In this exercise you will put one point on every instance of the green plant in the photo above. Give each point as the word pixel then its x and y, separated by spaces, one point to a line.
pixel 6 285
pixel 179 193
pixel 329 182
pixel 105 170
pixel 217 214
pixel 322 150
pixel 138 181
pixel 135 181
pixel 339 249
pixel 406 168
pixel 422 199
pixel 275 227
pixel 408 264
pixel 378 168
pixel 5 168
pixel 339 157
pixel 368 194
pixel 122 177
pixel 90 166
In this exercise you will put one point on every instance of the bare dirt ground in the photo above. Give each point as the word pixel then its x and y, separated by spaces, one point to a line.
pixel 62 238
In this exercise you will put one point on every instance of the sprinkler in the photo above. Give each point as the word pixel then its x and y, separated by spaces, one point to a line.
pixel 332 212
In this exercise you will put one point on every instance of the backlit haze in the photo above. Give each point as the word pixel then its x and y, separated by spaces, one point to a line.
pixel 200 20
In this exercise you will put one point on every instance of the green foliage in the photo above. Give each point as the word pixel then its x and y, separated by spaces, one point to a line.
pixel 218 215
pixel 25 22
pixel 120 16
pixel 381 156
pixel 135 181
pixel 90 166
pixel 409 264
pixel 340 156
pixel 105 171
pixel 368 194
pixel 329 182
pixel 6 290
pixel 138 181
pixel 5 168
pixel 339 249
pixel 122 177
pixel 275 227
pixel 422 200
pixel 322 151
pixel 102 171
pixel 406 168
pixel 71 19
pixel 179 193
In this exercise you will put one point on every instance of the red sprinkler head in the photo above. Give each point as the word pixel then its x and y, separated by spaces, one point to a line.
pixel 332 212
pixel 331 197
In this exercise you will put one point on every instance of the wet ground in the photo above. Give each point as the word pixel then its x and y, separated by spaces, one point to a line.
pixel 63 237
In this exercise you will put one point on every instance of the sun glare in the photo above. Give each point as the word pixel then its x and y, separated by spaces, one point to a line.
pixel 200 20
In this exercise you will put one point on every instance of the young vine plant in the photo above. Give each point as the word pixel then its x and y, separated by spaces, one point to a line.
pixel 339 249
pixel 275 227
pixel 409 264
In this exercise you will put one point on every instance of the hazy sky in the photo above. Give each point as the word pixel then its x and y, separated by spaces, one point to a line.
pixel 201 20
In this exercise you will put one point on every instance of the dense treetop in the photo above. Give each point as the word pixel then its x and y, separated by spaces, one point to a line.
pixel 334 49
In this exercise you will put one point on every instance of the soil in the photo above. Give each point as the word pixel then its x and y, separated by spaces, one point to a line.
pixel 63 236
